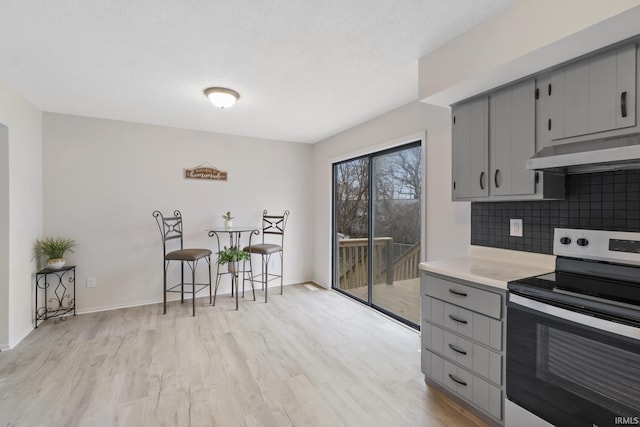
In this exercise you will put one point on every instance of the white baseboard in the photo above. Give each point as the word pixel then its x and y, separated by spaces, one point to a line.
pixel 118 306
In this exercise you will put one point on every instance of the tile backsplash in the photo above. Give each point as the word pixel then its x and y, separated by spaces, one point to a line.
pixel 599 201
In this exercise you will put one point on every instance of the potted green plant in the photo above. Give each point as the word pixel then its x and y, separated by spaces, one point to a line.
pixel 54 249
pixel 232 256
pixel 227 220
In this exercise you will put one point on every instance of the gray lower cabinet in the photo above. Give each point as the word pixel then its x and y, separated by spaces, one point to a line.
pixel 462 332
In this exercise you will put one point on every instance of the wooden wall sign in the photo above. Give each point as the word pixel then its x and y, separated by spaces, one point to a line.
pixel 205 171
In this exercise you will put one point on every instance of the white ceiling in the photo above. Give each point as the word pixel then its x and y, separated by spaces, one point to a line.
pixel 305 70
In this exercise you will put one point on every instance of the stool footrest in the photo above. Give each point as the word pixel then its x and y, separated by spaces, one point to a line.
pixel 199 287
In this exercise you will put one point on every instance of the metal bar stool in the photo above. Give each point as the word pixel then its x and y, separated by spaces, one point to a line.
pixel 271 225
pixel 171 229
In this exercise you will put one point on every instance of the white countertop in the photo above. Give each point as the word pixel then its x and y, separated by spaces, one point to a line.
pixel 493 267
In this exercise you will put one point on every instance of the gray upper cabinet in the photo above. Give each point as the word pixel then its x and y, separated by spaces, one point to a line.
pixel 512 139
pixel 594 95
pixel 543 111
pixel 470 156
pixel 493 136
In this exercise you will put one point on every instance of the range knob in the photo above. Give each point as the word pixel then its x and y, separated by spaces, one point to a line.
pixel 565 240
pixel 582 242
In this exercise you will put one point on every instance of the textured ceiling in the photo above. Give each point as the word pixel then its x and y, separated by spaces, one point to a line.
pixel 305 70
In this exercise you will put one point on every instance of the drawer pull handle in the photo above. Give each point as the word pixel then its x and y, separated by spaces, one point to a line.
pixel 457 293
pixel 457 349
pixel 455 319
pixel 457 380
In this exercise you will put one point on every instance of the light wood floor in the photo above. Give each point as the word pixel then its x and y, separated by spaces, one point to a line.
pixel 402 297
pixel 307 358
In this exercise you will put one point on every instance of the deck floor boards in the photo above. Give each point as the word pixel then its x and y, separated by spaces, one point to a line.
pixel 402 297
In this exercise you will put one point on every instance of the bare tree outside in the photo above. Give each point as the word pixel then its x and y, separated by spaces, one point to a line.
pixel 398 184
pixel 397 199
pixel 352 198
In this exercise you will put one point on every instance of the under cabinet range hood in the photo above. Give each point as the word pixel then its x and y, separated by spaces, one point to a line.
pixel 589 156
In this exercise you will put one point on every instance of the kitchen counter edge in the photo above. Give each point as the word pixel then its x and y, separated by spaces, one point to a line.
pixel 487 266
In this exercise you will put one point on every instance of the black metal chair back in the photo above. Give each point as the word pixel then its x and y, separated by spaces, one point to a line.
pixel 170 228
pixel 274 224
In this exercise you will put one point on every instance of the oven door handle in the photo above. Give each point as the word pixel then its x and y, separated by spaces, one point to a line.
pixel 573 316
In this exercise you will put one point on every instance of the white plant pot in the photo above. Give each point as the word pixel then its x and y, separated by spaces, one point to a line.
pixel 55 263
pixel 228 224
pixel 232 267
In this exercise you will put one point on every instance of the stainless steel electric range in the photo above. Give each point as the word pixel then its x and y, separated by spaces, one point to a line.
pixel 573 336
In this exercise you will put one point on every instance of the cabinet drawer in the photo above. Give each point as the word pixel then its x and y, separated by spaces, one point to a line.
pixel 467 386
pixel 458 319
pixel 475 299
pixel 458 380
pixel 478 359
pixel 458 349
pixel 476 326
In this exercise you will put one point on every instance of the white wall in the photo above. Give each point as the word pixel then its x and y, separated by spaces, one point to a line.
pixel 447 231
pixel 103 179
pixel 524 38
pixel 4 237
pixel 24 130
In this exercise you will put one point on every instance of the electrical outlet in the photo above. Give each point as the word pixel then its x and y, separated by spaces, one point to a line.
pixel 91 282
pixel 515 228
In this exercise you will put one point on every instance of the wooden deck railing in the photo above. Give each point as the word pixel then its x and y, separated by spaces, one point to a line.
pixel 353 259
pixel 406 266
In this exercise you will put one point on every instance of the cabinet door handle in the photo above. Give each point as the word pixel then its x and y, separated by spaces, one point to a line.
pixel 482 180
pixel 495 178
pixel 455 319
pixel 549 124
pixel 454 185
pixel 457 293
pixel 623 104
pixel 457 380
pixel 457 349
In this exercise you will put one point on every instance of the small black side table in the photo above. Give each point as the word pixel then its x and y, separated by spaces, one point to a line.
pixel 62 282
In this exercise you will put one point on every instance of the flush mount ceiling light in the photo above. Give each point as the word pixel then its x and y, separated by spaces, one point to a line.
pixel 221 97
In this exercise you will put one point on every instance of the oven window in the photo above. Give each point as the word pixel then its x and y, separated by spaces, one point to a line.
pixel 588 368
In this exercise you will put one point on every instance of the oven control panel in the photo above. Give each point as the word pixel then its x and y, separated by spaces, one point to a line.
pixel 612 246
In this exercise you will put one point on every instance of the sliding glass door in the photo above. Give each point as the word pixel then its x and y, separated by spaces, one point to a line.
pixel 377 233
